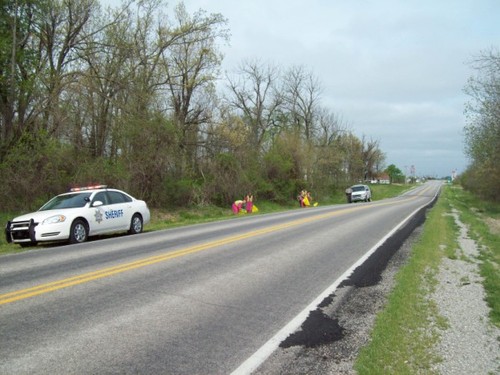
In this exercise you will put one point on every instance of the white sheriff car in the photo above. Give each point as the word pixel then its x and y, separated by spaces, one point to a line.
pixel 81 213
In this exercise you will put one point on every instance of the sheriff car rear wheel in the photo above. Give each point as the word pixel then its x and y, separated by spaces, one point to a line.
pixel 135 224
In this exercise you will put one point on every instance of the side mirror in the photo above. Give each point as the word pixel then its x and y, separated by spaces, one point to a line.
pixel 97 204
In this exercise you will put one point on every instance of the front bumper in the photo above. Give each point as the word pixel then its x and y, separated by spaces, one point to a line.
pixel 21 231
pixel 357 198
pixel 25 232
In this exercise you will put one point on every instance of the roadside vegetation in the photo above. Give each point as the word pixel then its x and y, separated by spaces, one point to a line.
pixel 482 133
pixel 134 97
pixel 484 220
pixel 402 339
pixel 169 218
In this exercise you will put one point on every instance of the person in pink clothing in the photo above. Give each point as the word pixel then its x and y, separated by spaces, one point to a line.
pixel 249 203
pixel 237 206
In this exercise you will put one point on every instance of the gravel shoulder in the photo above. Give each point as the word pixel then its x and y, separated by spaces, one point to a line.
pixel 470 344
pixel 342 324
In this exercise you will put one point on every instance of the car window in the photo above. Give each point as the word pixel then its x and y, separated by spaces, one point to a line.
pixel 67 201
pixel 358 188
pixel 101 196
pixel 117 197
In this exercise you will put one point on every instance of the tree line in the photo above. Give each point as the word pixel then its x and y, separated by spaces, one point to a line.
pixel 134 97
pixel 482 132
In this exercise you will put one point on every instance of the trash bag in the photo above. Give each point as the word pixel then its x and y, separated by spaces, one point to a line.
pixel 306 202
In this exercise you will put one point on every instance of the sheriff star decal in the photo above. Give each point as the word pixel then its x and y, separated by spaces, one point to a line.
pixel 98 216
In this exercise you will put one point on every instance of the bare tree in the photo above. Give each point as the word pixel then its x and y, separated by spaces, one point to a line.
pixel 330 126
pixel 352 157
pixel 373 158
pixel 104 73
pixel 482 133
pixel 330 151
pixel 63 29
pixel 483 111
pixel 253 93
pixel 191 66
pixel 301 99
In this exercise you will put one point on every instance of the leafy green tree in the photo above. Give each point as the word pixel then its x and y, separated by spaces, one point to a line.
pixel 395 174
pixel 35 168
pixel 283 168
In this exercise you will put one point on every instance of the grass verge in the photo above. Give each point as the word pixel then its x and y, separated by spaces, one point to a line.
pixel 163 218
pixel 402 338
pixel 483 221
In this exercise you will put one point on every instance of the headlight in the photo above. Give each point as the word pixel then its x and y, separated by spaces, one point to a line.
pixel 54 219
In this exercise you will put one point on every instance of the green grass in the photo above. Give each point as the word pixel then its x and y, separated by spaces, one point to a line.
pixel 402 339
pixel 4 246
pixel 163 219
pixel 378 192
pixel 388 191
pixel 483 220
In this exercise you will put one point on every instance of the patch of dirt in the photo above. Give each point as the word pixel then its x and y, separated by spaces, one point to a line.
pixel 164 216
pixel 493 224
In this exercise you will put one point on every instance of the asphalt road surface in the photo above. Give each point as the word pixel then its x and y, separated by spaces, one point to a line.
pixel 205 299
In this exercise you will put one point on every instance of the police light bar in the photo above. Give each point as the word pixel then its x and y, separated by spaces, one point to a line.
pixel 88 188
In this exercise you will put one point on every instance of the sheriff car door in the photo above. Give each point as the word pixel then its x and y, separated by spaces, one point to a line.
pixel 119 210
pixel 100 222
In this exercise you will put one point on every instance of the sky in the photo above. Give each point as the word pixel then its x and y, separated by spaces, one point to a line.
pixel 393 70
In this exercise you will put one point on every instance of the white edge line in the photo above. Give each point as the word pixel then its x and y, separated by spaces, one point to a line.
pixel 259 357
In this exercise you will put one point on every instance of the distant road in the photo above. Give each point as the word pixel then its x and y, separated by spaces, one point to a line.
pixel 191 300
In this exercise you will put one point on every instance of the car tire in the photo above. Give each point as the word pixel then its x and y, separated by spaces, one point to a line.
pixel 79 231
pixel 136 224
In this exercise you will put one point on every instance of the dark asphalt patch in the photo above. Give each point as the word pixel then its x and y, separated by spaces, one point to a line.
pixel 369 273
pixel 318 329
pixel 327 301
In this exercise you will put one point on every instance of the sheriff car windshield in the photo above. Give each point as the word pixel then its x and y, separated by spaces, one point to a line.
pixel 67 201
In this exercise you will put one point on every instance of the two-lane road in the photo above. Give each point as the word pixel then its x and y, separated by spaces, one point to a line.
pixel 197 299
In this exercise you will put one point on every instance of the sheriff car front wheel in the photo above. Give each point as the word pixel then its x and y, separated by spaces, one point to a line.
pixel 79 232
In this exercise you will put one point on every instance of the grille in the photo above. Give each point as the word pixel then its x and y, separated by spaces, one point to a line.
pixel 20 230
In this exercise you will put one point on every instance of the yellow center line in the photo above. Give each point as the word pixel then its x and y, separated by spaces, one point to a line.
pixel 106 272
